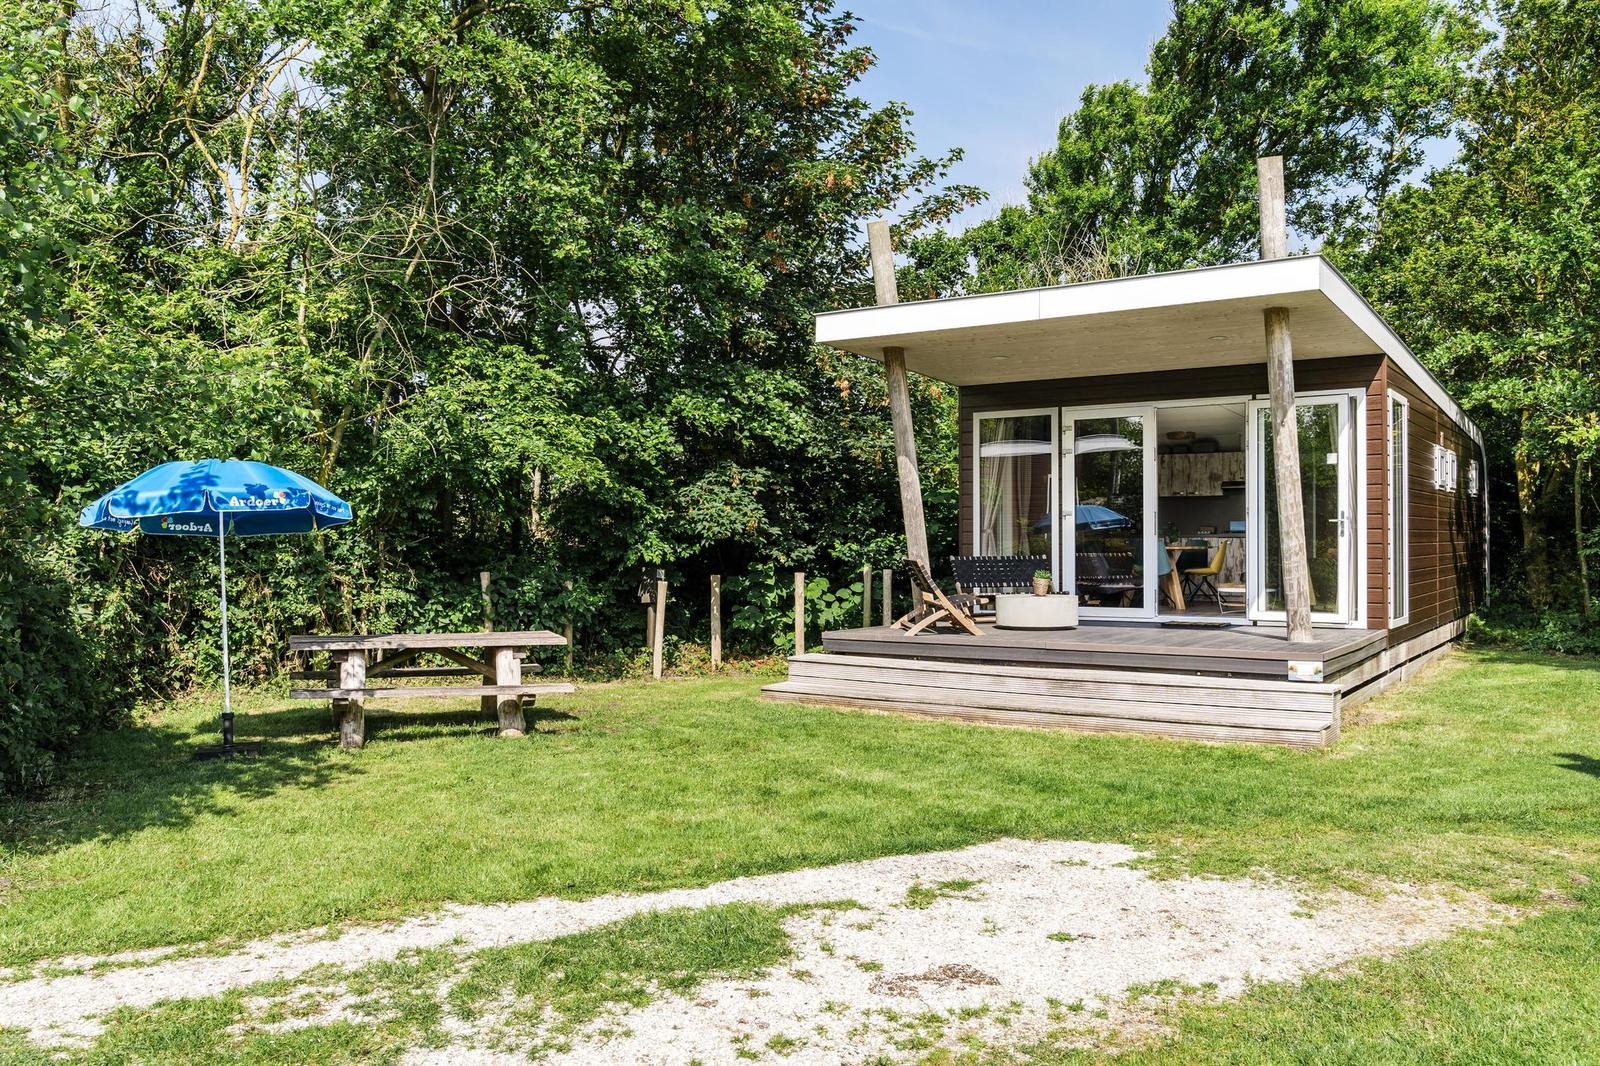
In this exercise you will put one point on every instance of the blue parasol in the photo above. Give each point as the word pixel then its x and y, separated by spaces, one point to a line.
pixel 212 498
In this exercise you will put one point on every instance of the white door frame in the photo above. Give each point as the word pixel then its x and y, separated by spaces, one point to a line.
pixel 1066 558
pixel 1352 508
pixel 1051 488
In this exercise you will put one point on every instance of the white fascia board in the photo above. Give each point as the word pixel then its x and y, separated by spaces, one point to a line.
pixel 1276 277
pixel 1237 281
pixel 1358 311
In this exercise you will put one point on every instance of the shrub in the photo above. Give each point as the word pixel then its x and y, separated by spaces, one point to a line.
pixel 1561 631
pixel 54 678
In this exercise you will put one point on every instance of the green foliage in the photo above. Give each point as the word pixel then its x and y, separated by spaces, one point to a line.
pixel 1161 174
pixel 762 611
pixel 531 286
pixel 1491 270
pixel 1515 626
pixel 54 683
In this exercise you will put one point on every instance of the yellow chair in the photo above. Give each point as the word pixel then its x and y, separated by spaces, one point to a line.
pixel 1202 580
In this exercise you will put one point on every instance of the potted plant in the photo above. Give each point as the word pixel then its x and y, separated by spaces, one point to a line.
pixel 1041 582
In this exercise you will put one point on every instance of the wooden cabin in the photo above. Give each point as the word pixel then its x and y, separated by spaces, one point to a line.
pixel 1119 430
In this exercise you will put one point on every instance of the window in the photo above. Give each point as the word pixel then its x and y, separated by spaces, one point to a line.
pixel 1399 512
pixel 1472 477
pixel 1016 457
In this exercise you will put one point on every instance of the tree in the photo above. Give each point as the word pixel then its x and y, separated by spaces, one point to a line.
pixel 1491 269
pixel 1161 175
pixel 530 282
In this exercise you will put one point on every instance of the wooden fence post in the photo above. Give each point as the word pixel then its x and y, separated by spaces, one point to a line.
pixel 716 621
pixel 888 596
pixel 659 636
pixel 799 612
pixel 488 706
pixel 866 596
pixel 567 584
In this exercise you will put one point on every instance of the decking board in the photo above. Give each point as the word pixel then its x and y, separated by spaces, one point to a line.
pixel 1238 651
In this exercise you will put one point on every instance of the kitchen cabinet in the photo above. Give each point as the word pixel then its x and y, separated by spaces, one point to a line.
pixel 1197 473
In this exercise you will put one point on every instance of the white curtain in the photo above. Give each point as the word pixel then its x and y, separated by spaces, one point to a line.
pixel 1008 486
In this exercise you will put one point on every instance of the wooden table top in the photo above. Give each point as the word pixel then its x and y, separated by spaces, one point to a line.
pixel 522 638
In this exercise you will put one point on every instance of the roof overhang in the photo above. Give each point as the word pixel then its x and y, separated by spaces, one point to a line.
pixel 1179 320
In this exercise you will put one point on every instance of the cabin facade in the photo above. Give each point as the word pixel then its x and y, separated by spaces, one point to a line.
pixel 1119 430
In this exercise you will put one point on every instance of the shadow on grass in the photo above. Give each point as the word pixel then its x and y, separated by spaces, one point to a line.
pixel 1583 764
pixel 1495 653
pixel 146 776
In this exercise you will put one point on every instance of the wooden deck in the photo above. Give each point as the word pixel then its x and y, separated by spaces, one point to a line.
pixel 1235 651
pixel 1206 684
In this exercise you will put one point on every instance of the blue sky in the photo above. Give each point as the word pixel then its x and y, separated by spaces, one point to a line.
pixel 996 78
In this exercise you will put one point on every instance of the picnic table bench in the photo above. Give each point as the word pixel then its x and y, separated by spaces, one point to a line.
pixel 361 658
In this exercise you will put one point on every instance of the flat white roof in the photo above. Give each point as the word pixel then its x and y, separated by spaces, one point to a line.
pixel 1177 320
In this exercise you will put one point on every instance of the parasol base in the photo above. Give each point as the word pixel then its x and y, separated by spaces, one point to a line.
pixel 241 749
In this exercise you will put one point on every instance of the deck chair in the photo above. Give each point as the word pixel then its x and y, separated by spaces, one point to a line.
pixel 932 606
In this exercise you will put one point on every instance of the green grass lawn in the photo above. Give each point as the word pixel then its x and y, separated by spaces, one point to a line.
pixel 1485 774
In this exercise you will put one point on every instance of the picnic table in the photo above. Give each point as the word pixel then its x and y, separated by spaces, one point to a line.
pixel 361 658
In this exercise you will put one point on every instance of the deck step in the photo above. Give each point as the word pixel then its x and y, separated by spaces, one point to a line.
pixel 1178 705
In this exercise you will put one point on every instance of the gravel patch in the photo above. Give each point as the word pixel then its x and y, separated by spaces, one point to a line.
pixel 997 940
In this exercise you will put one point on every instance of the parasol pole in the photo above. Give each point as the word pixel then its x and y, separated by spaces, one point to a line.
pixel 227 696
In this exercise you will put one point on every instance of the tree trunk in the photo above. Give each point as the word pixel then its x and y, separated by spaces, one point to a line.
pixel 1577 536
pixel 1535 552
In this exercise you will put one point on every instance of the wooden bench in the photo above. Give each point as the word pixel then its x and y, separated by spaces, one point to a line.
pixel 501 690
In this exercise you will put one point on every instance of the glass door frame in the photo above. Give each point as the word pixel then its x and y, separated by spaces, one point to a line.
pixel 1052 488
pixel 1351 404
pixel 1066 545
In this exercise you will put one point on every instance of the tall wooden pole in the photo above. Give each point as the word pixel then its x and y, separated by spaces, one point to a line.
pixel 1296 575
pixel 866 596
pixel 489 706
pixel 799 612
pixel 658 635
pixel 894 371
pixel 716 621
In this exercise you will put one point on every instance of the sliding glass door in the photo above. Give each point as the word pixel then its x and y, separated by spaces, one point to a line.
pixel 1015 483
pixel 1108 505
pixel 1327 477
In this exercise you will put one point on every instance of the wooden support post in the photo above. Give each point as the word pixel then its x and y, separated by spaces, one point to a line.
pixel 716 621
pixel 888 596
pixel 568 632
pixel 488 706
pixel 659 636
pixel 508 671
pixel 1296 575
pixel 894 372
pixel 799 612
pixel 866 596
pixel 352 710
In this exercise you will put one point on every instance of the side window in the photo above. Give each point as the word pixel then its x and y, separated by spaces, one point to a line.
pixel 1399 511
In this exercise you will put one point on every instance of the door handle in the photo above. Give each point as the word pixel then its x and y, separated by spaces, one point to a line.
pixel 1341 521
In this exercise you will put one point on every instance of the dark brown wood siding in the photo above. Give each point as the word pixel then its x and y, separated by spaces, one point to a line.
pixel 1355 372
pixel 1447 536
